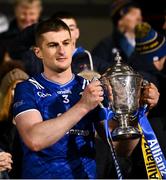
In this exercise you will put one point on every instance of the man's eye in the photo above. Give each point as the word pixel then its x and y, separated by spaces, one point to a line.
pixel 66 43
pixel 52 45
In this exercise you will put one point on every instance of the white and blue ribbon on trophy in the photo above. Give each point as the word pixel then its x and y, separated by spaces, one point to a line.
pixel 108 116
pixel 152 142
pixel 149 136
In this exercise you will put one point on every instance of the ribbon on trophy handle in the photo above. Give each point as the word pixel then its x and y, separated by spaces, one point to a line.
pixel 153 156
pixel 154 159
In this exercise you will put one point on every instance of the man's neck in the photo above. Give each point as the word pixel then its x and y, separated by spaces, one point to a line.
pixel 61 78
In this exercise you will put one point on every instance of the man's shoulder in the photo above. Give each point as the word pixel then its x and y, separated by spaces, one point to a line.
pixel 36 81
pixel 30 82
pixel 23 86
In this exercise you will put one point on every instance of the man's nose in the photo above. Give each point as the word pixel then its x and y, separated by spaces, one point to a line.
pixel 61 49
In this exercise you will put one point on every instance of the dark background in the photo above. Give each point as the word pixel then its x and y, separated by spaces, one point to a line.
pixel 93 15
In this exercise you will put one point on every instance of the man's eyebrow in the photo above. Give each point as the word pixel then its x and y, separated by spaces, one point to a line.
pixel 72 25
pixel 54 42
pixel 69 39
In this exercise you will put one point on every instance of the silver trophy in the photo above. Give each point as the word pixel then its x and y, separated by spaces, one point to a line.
pixel 126 89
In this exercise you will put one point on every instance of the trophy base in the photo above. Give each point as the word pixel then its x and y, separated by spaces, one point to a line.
pixel 125 133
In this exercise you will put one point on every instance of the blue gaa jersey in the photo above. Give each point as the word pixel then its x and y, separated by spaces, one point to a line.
pixel 73 156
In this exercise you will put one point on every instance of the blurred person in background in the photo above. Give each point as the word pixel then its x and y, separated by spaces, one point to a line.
pixel 11 73
pixel 125 15
pixel 26 13
pixel 71 21
pixel 151 49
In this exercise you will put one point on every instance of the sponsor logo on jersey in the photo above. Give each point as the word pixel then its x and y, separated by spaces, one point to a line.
pixel 18 103
pixel 78 132
pixel 43 95
pixel 66 91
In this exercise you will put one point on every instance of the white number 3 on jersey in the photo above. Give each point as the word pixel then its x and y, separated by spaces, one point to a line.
pixel 66 100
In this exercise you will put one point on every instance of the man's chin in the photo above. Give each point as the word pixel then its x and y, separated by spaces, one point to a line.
pixel 61 70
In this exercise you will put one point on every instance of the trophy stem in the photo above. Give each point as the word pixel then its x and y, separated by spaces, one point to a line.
pixel 124 130
pixel 124 122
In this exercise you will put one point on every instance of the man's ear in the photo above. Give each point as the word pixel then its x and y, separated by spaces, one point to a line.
pixel 37 52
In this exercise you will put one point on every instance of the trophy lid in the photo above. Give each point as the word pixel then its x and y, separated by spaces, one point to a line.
pixel 119 68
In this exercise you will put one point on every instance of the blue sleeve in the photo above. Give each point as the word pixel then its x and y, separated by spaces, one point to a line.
pixel 24 98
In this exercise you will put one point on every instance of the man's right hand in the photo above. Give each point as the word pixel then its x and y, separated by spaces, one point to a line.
pixel 92 95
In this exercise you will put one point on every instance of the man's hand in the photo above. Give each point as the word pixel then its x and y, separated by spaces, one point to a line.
pixel 92 95
pixel 150 95
pixel 5 161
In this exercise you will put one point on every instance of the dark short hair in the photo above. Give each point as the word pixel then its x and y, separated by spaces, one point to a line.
pixel 48 26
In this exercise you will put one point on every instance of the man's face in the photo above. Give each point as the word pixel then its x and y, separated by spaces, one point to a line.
pixel 55 50
pixel 131 19
pixel 73 28
pixel 27 14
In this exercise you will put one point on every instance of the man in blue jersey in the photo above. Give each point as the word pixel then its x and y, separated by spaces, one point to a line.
pixel 56 112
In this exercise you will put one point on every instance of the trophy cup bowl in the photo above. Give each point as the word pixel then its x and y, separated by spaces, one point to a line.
pixel 126 90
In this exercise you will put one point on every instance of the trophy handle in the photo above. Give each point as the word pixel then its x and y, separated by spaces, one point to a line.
pixel 103 103
pixel 105 83
pixel 91 75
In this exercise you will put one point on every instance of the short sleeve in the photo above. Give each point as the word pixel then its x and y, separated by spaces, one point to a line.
pixel 24 98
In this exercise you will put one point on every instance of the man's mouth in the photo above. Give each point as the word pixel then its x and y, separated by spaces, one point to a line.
pixel 61 59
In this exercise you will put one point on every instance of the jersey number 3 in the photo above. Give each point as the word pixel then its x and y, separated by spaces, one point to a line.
pixel 65 97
